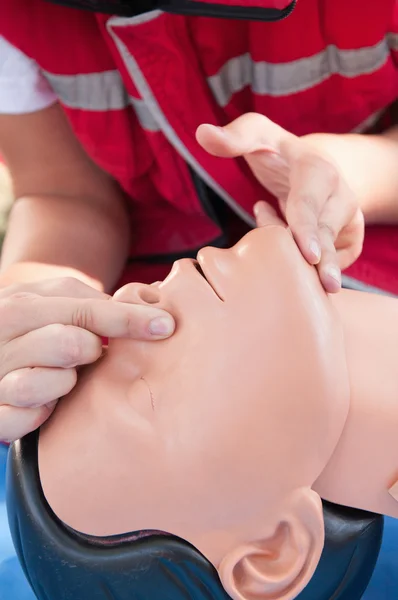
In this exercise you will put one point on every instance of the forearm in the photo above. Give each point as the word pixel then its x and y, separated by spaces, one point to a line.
pixel 62 236
pixel 369 164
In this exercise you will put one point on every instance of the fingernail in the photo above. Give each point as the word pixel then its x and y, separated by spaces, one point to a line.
pixel 315 249
pixel 163 326
pixel 335 273
pixel 49 405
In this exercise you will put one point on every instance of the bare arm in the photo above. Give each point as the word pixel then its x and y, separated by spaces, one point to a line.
pixel 369 164
pixel 69 222
pixel 69 217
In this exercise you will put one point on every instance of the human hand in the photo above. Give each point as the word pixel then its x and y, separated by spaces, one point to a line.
pixel 320 209
pixel 47 330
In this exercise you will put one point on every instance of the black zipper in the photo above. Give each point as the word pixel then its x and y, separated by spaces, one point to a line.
pixel 195 8
pixel 220 11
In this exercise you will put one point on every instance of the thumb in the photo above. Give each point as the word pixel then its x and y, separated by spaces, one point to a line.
pixel 249 133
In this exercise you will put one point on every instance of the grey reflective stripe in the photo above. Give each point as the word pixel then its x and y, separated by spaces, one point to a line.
pixel 105 90
pixel 392 39
pixel 160 118
pixel 284 79
pixel 90 91
pixel 144 115
pixel 99 92
pixel 359 286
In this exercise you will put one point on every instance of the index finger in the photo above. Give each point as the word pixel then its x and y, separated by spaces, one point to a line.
pixel 22 313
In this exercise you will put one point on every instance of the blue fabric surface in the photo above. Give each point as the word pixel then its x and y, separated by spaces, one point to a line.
pixel 13 586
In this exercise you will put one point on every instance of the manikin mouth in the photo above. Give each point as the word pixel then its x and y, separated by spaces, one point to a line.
pixel 203 274
pixel 200 270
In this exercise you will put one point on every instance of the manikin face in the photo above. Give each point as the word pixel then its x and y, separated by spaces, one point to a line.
pixel 217 434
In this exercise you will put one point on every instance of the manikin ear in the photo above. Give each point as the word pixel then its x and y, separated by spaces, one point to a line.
pixel 280 566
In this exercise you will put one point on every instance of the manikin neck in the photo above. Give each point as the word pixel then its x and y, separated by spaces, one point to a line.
pixel 364 467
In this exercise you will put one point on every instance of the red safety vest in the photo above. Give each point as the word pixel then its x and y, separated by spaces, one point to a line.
pixel 136 89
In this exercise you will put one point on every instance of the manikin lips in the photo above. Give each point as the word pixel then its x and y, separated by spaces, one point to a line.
pixel 209 283
pixel 200 270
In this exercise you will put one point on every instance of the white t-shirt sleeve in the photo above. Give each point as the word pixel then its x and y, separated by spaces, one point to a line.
pixel 23 88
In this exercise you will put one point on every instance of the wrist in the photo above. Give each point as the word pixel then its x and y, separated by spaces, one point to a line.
pixel 29 272
pixel 368 163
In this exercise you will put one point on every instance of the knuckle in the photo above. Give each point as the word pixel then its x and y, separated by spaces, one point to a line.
pixel 20 387
pixel 83 316
pixel 69 345
pixel 65 284
pixel 22 297
pixel 327 230
pixel 13 305
pixel 252 116
pixel 306 199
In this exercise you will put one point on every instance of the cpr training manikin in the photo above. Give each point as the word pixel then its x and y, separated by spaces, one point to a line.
pixel 224 438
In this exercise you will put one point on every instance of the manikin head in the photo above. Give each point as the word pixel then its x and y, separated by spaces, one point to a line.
pixel 219 432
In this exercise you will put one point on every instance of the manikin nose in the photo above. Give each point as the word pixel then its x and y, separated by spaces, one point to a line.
pixel 138 293
pixel 221 258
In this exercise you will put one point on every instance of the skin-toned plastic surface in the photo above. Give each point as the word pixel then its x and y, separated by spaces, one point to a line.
pixel 61 564
pixel 218 434
pixel 364 465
